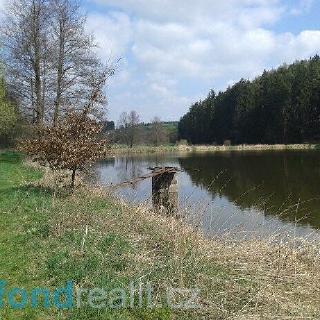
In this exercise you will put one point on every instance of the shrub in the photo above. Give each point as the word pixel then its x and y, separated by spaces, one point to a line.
pixel 72 144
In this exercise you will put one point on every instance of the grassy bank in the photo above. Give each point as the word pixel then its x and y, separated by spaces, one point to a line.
pixel 122 149
pixel 50 236
pixel 143 149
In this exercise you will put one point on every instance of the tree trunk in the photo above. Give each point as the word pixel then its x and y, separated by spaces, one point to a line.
pixel 39 110
pixel 59 75
pixel 37 65
pixel 73 178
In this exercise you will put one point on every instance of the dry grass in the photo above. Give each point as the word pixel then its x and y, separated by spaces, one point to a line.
pixel 121 149
pixel 98 241
pixel 251 279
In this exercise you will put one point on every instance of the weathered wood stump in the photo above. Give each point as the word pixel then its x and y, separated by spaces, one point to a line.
pixel 165 190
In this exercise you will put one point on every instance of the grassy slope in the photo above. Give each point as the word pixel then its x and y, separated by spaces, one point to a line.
pixel 41 244
pixel 21 209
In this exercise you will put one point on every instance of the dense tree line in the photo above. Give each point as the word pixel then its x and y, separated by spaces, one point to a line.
pixel 280 106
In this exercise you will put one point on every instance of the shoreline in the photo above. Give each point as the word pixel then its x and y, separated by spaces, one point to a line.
pixel 97 240
pixel 144 149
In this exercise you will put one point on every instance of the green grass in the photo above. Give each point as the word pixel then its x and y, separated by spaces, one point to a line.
pixel 20 209
pixel 35 253
pixel 23 213
pixel 49 237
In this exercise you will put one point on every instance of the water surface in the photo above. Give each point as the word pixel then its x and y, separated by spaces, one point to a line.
pixel 245 193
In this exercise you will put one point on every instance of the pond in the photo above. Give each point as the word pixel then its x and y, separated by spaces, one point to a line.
pixel 270 193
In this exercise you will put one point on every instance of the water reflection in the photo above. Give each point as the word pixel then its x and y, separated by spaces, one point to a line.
pixel 278 183
pixel 250 193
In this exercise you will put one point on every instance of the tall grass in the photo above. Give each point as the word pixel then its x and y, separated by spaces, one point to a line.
pixel 50 236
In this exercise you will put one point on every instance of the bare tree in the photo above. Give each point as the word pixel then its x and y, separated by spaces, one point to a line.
pixel 128 127
pixel 51 64
pixel 74 63
pixel 159 134
pixel 25 36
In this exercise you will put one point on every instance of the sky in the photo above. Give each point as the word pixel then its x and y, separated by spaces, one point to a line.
pixel 172 52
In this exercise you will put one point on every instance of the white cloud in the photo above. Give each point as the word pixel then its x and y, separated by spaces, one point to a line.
pixel 112 33
pixel 177 50
pixel 2 5
pixel 189 10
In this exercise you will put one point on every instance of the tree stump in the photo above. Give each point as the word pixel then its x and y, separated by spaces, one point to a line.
pixel 165 191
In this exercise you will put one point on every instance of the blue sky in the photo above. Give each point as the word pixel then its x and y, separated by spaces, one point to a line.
pixel 174 51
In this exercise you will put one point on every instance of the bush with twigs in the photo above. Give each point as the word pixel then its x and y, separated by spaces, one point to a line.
pixel 71 145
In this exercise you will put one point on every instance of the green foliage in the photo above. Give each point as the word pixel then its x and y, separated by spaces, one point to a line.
pixel 280 106
pixel 8 117
pixel 167 132
pixel 153 134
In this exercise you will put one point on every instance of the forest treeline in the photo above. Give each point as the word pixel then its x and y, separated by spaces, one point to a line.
pixel 280 106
